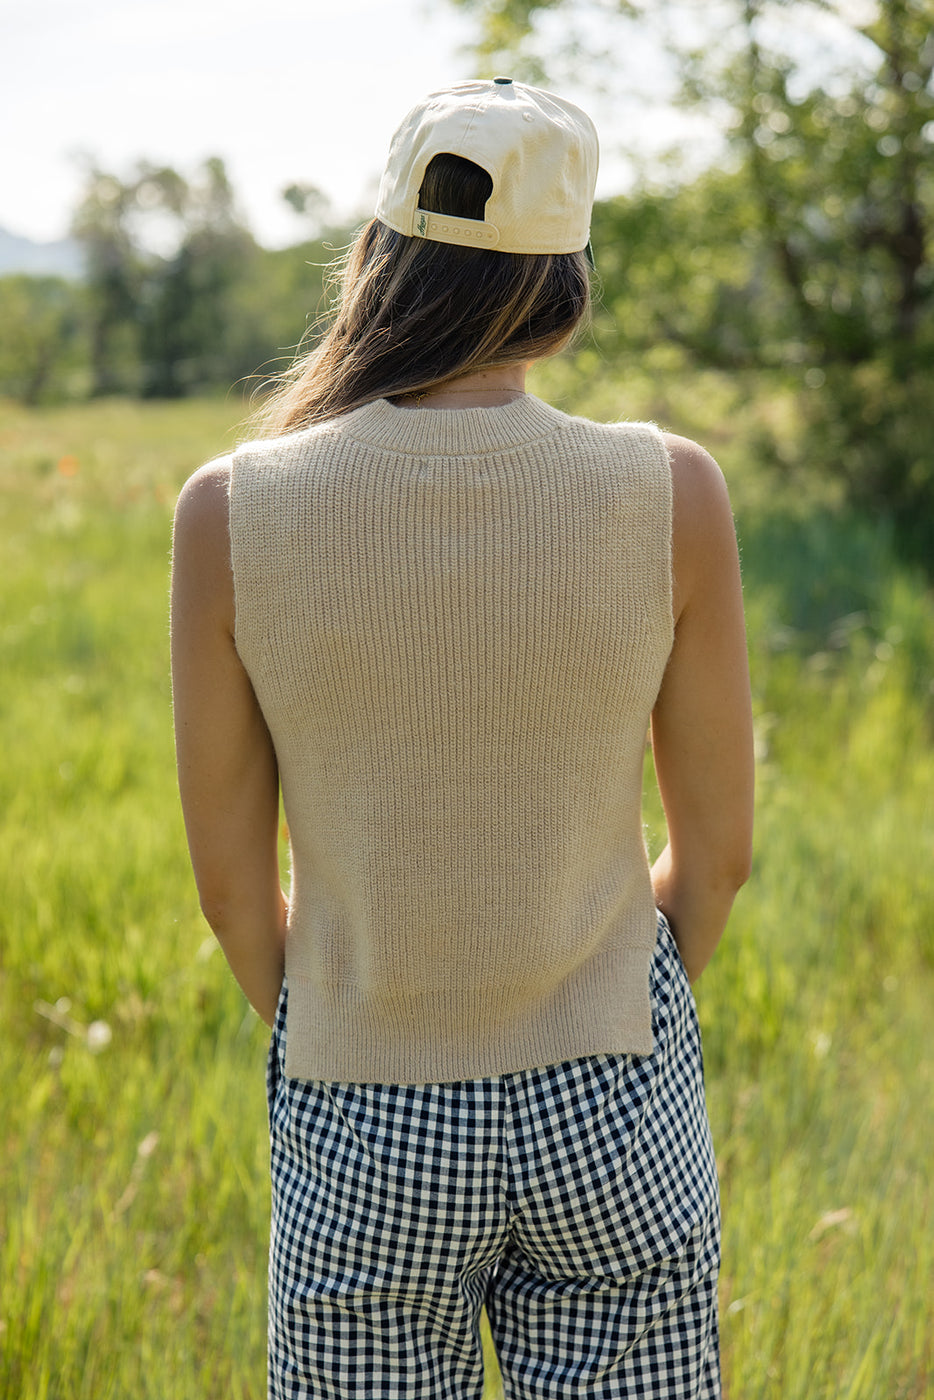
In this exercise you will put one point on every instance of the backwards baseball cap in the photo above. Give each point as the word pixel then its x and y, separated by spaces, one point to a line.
pixel 540 152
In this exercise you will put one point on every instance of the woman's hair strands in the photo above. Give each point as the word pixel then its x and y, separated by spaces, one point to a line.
pixel 413 314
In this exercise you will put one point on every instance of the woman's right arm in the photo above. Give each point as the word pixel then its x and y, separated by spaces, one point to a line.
pixel 702 722
pixel 227 772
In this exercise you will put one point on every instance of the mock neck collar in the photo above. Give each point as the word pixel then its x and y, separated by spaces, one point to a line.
pixel 446 432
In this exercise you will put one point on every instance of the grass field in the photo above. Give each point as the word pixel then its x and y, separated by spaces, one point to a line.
pixel 133 1191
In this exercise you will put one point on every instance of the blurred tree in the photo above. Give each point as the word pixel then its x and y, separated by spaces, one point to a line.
pixel 311 204
pixel 283 299
pixel 190 337
pixel 101 223
pixel 164 255
pixel 41 320
pixel 808 246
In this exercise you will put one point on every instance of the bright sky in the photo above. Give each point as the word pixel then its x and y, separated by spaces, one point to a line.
pixel 283 90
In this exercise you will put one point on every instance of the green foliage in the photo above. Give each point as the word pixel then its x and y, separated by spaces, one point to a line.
pixel 682 267
pixel 40 342
pixel 133 1167
pixel 282 298
pixel 509 38
pixel 112 262
pixel 873 425
pixel 188 328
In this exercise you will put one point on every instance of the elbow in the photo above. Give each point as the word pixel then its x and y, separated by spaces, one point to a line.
pixel 235 906
pixel 740 867
pixel 723 867
pixel 730 849
pixel 216 907
pixel 732 866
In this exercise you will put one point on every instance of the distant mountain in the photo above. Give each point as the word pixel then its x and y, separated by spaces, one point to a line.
pixel 61 259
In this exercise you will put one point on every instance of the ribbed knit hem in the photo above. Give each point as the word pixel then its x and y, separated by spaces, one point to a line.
pixel 341 1036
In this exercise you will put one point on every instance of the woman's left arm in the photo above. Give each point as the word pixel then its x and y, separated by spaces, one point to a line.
pixel 227 772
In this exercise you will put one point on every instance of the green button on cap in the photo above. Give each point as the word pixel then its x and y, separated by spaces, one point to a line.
pixel 504 82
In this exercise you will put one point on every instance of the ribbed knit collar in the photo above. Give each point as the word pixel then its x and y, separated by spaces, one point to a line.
pixel 453 432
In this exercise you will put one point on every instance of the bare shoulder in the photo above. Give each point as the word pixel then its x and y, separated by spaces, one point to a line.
pixel 203 502
pixel 703 536
pixel 201 540
pixel 696 477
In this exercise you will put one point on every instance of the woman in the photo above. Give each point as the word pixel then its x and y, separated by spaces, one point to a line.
pixel 441 615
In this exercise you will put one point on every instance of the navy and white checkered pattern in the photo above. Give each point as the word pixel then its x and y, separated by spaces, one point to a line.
pixel 579 1202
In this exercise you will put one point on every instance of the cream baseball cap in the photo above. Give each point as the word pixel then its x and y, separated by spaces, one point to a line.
pixel 540 151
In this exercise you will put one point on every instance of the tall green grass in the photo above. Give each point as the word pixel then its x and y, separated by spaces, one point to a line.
pixel 133 1190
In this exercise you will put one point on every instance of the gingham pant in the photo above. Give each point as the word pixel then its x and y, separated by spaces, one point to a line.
pixel 578 1202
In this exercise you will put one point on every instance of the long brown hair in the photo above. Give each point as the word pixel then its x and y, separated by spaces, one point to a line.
pixel 412 313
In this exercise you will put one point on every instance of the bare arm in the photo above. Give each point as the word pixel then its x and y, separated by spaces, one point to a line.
pixel 227 773
pixel 702 722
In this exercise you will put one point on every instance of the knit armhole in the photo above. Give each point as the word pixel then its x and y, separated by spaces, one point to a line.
pixel 668 535
pixel 664 504
pixel 238 507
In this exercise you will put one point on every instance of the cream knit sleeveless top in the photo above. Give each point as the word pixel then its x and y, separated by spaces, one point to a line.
pixel 456 624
